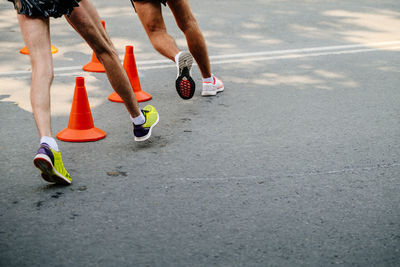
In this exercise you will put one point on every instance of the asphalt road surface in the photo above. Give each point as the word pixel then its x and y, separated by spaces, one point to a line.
pixel 295 164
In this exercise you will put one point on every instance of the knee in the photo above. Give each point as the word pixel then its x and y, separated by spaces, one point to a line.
pixel 155 28
pixel 44 72
pixel 106 50
pixel 188 24
pixel 157 35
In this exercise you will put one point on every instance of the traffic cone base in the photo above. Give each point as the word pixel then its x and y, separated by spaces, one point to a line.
pixel 114 97
pixel 73 135
pixel 25 50
pixel 94 66
pixel 141 96
pixel 131 71
pixel 80 126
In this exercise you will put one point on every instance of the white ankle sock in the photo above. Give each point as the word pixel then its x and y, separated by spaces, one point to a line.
pixel 209 79
pixel 139 120
pixel 50 141
pixel 177 57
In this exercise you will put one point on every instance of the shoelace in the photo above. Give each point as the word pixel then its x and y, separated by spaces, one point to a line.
pixel 214 82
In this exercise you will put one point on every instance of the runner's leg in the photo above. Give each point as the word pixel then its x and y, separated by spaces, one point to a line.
pixel 187 23
pixel 150 15
pixel 36 34
pixel 85 21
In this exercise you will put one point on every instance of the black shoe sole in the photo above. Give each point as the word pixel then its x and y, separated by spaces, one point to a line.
pixel 185 85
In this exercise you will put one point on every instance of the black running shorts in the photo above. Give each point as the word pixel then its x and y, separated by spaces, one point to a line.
pixel 45 8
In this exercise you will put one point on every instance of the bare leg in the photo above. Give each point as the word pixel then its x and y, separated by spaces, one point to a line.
pixel 150 15
pixel 36 34
pixel 187 23
pixel 86 22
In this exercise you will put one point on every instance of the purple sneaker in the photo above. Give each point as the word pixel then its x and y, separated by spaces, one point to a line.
pixel 143 132
pixel 49 162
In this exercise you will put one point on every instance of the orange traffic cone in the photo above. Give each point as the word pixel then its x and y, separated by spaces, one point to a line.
pixel 94 65
pixel 25 50
pixel 80 126
pixel 131 70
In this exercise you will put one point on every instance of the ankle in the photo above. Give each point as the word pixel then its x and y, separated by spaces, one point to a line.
pixel 209 79
pixel 177 56
pixel 139 120
pixel 50 141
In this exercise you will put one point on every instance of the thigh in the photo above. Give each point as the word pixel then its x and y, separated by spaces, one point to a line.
pixel 86 21
pixel 36 34
pixel 182 13
pixel 150 15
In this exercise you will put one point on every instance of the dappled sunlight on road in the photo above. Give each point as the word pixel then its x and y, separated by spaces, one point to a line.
pixel 17 91
pixel 389 69
pixel 251 25
pixel 8 18
pixel 272 34
pixel 252 36
pixel 354 27
pixel 313 79
pixel 65 52
pixel 273 79
pixel 72 52
pixel 270 41
pixel 310 31
pixel 210 34
pixel 8 23
pixel 380 26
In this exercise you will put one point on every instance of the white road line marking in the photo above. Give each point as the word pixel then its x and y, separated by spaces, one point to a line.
pixel 299 55
pixel 306 50
pixel 290 56
pixel 243 57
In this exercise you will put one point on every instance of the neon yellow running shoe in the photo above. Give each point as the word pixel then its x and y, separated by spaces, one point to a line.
pixel 143 132
pixel 49 162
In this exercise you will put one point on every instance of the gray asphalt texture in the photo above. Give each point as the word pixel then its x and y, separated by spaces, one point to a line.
pixel 295 164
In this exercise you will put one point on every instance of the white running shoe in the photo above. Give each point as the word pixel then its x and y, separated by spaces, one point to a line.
pixel 184 83
pixel 212 88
